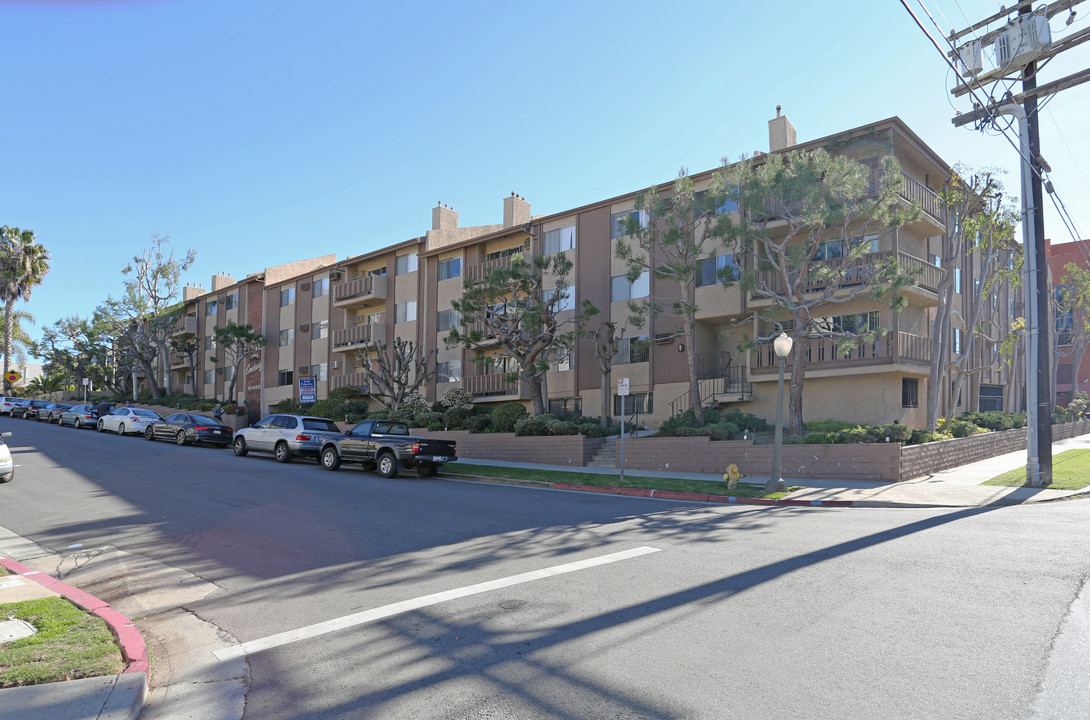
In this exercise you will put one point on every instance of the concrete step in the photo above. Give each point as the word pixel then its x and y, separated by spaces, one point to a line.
pixel 602 463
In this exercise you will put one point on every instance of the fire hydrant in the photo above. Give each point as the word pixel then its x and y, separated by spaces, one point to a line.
pixel 732 476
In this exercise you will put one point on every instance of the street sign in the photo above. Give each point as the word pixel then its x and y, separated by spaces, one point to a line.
pixel 13 377
pixel 622 387
pixel 307 393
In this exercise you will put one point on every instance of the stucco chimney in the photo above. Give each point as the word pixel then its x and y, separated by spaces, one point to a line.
pixel 443 217
pixel 220 281
pixel 781 133
pixel 516 211
pixel 191 292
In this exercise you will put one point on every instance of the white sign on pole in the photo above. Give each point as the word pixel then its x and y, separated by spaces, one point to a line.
pixel 622 386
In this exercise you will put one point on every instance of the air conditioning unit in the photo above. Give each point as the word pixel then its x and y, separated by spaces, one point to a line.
pixel 304 327
pixel 304 370
pixel 335 275
pixel 304 286
pixel 664 338
pixel 333 365
pixel 219 371
pixel 1022 42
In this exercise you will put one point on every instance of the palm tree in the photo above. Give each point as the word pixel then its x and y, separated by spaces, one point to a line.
pixel 23 264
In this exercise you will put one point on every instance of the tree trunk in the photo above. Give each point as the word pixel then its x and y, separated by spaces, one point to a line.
pixel 535 396
pixel 605 399
pixel 695 400
pixel 9 329
pixel 940 339
pixel 798 373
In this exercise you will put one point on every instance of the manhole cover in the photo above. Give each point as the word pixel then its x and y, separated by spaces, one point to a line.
pixel 511 604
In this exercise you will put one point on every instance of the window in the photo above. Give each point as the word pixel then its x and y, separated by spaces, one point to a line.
pixel 321 287
pixel 318 372
pixel 406 264
pixel 320 328
pixel 559 359
pixel 500 365
pixel 726 204
pixel 209 376
pixel 376 318
pixel 957 280
pixel 287 297
pixel 449 320
pixel 716 269
pixel 450 268
pixel 632 350
pixel 991 398
pixel 559 240
pixel 566 406
pixel 934 259
pixel 857 324
pixel 635 403
pixel 209 342
pixel 287 337
pixel 830 250
pixel 566 302
pixel 910 392
pixel 622 289
pixel 231 301
pixel 210 308
pixel 449 371
pixel 285 377
pixel 506 252
pixel 618 222
pixel 869 242
pixel 955 339
pixel 405 312
pixel 229 373
pixel 1065 317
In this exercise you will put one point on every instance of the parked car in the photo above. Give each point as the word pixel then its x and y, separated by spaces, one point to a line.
pixel 79 416
pixel 19 407
pixel 7 403
pixel 127 420
pixel 52 414
pixel 30 410
pixel 285 436
pixel 387 446
pixel 7 465
pixel 184 428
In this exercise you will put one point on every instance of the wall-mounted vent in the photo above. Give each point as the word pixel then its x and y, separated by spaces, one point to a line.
pixel 664 338
pixel 304 327
pixel 219 371
pixel 304 286
pixel 304 370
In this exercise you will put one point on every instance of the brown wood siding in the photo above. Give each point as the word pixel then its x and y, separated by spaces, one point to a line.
pixel 592 248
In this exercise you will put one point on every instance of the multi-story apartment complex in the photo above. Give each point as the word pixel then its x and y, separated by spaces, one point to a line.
pixel 1065 332
pixel 319 314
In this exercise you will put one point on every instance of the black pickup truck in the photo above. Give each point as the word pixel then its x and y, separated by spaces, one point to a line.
pixel 386 446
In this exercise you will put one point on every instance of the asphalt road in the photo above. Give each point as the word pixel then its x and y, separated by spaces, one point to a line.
pixel 720 612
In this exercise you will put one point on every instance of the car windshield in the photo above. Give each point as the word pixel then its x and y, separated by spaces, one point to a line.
pixel 320 424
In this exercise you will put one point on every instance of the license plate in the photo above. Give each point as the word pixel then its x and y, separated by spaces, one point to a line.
pixel 217 432
pixel 438 458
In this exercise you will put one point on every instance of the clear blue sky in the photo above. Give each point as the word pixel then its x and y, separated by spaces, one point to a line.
pixel 258 133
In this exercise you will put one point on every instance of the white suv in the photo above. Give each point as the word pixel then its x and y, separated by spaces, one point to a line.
pixel 7 465
pixel 6 404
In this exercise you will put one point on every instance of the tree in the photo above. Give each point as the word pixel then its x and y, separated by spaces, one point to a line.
pixel 144 317
pixel 239 343
pixel 1072 311
pixel 23 264
pixel 512 307
pixel 607 343
pixel 396 372
pixel 668 237
pixel 188 347
pixel 807 226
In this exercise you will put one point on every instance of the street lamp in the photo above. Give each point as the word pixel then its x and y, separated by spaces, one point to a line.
pixel 782 346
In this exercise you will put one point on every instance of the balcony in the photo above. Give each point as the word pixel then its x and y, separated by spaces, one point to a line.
pixel 359 337
pixel 367 291
pixel 822 354
pixel 854 272
pixel 494 386
pixel 476 273
pixel 185 326
pixel 356 380
pixel 178 360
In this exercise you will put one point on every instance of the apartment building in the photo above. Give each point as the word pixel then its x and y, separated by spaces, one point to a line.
pixel 1059 255
pixel 323 318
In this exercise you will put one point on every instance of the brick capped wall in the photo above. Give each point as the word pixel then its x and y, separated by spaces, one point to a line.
pixel 574 450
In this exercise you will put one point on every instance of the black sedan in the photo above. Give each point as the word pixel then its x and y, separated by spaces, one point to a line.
pixel 184 429
pixel 29 411
pixel 51 413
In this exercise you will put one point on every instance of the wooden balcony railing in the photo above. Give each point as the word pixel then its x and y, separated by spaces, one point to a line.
pixel 369 289
pixel 856 272
pixel 185 326
pixel 366 334
pixel 356 380
pixel 911 190
pixel 823 353
pixel 477 272
pixel 490 385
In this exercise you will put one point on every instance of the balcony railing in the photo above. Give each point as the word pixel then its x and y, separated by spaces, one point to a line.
pixel 497 384
pixel 356 380
pixel 366 334
pixel 367 290
pixel 477 272
pixel 185 326
pixel 178 360
pixel 848 273
pixel 911 190
pixel 823 353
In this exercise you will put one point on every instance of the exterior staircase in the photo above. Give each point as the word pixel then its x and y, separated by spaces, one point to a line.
pixel 606 456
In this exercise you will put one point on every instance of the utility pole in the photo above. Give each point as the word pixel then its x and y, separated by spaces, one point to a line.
pixel 1020 45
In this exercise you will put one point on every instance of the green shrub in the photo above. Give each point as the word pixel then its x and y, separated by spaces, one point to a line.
pixel 991 420
pixel 476 423
pixel 962 428
pixel 821 438
pixel 507 415
pixel 743 421
pixel 427 419
pixel 455 418
pixel 855 434
pixel 897 433
pixel 328 408
pixel 436 427
pixel 530 426
pixel 288 406
pixel 345 392
pixel 919 437
pixel 827 426
pixel 379 415
pixel 456 399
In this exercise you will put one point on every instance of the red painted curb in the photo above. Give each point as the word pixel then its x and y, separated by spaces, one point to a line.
pixel 133 648
pixel 697 497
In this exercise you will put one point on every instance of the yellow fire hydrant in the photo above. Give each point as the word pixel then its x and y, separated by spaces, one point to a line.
pixel 732 476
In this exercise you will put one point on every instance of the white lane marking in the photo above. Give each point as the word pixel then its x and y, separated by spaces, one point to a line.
pixel 397 608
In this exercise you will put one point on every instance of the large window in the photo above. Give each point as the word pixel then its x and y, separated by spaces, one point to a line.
pixel 559 240
pixel 449 320
pixel 641 403
pixel 450 268
pixel 320 329
pixel 406 264
pixel 991 398
pixel 209 342
pixel 321 287
pixel 632 350
pixel 910 392
pixel 566 406
pixel 318 372
pixel 287 297
pixel 209 376
pixel 210 307
pixel 231 301
pixel 500 365
pixel 716 269
pixel 622 289
pixel 449 371
pixel 567 302
pixel 856 324
pixel 405 312
pixel 830 250
pixel 618 222
pixel 287 337
pixel 506 252
pixel 285 377
pixel 701 203
pixel 559 359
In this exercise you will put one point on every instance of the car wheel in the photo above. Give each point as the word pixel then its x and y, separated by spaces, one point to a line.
pixel 240 447
pixel 426 470
pixel 180 437
pixel 121 429
pixel 8 478
pixel 282 452
pixel 101 427
pixel 149 434
pixel 387 465
pixel 330 459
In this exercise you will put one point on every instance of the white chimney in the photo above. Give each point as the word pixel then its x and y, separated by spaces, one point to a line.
pixel 781 133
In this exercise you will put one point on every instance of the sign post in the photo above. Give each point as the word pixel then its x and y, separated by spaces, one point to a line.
pixel 622 392
pixel 307 392
pixel 86 382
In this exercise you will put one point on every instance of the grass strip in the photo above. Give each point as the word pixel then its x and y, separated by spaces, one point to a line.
pixel 702 487
pixel 70 644
pixel 1070 471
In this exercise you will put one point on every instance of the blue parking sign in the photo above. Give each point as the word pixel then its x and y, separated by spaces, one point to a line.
pixel 307 393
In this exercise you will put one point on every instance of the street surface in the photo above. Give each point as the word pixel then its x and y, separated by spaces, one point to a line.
pixel 359 597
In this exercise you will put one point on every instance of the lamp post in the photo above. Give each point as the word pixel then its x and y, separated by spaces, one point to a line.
pixel 782 346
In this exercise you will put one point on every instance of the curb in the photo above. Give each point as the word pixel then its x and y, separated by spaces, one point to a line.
pixel 134 651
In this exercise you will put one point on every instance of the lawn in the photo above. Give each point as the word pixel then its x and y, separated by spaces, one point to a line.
pixel 703 487
pixel 1070 471
pixel 70 644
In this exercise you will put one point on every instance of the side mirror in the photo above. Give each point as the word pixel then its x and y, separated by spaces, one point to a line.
pixel 5 436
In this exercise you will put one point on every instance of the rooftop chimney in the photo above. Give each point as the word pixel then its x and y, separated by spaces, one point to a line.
pixel 221 280
pixel 781 133
pixel 443 217
pixel 516 211
pixel 191 292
